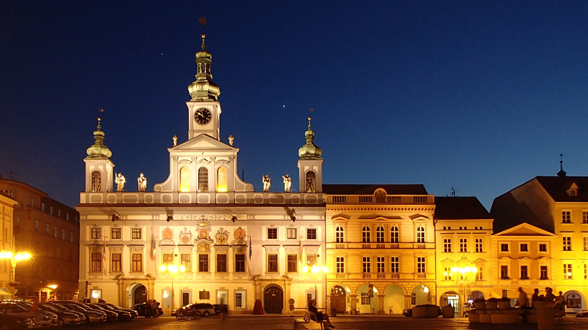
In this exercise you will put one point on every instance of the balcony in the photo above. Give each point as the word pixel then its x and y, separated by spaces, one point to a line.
pixel 421 276
pixel 395 276
pixel 380 246
pixel 366 246
pixel 394 246
pixel 367 276
pixel 381 276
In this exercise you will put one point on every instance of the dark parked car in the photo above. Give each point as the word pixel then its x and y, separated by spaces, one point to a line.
pixel 16 321
pixel 81 315
pixel 92 316
pixel 39 319
pixel 65 317
pixel 111 316
pixel 115 308
pixel 140 308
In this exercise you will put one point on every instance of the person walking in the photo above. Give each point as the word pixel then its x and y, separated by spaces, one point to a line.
pixel 560 306
pixel 523 300
pixel 147 308
pixel 154 309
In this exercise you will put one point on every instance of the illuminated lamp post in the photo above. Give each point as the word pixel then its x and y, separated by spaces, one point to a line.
pixel 14 260
pixel 315 271
pixel 172 269
pixel 463 274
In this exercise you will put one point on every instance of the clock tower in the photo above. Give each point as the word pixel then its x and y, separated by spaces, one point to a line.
pixel 203 108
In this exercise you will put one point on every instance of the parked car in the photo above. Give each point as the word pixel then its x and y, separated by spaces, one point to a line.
pixel 29 306
pixel 39 320
pixel 582 314
pixel 111 316
pixel 132 314
pixel 65 317
pixel 16 321
pixel 82 317
pixel 407 312
pixel 205 309
pixel 140 308
pixel 92 316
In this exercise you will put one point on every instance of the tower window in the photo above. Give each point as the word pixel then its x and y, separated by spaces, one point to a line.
pixel 185 179
pixel 221 179
pixel 96 181
pixel 203 179
pixel 310 182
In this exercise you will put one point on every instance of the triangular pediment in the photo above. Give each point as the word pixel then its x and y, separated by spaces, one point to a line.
pixel 202 142
pixel 341 216
pixel 379 217
pixel 524 229
pixel 418 216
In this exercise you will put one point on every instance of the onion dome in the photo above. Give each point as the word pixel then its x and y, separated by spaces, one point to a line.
pixel 309 150
pixel 203 89
pixel 98 150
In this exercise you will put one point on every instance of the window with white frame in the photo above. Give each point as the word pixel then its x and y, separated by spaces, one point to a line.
pixel 339 234
pixel 311 259
pixel 272 233
pixel 380 264
pixel 380 234
pixel 394 234
pixel 543 273
pixel 463 245
pixel 447 274
pixel 272 263
pixel 542 247
pixel 310 233
pixel 365 298
pixel 480 274
pixel 365 234
pixel 566 217
pixel 292 260
pixel 292 233
pixel 367 265
pixel 115 233
pixel 394 264
pixel 95 233
pixel 504 247
pixel 524 272
pixel 524 247
pixel 136 233
pixel 479 245
pixel 567 243
pixel 420 234
pixel 584 216
pixel 447 245
pixel 504 272
pixel 340 264
pixel 421 265
pixel 567 269
pixel 240 300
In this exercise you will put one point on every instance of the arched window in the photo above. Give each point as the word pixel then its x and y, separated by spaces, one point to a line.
pixel 96 181
pixel 380 234
pixel 221 179
pixel 366 234
pixel 420 234
pixel 380 196
pixel 203 179
pixel 394 234
pixel 310 182
pixel 185 179
pixel 339 234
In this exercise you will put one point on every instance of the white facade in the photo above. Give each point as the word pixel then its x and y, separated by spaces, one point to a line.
pixel 236 245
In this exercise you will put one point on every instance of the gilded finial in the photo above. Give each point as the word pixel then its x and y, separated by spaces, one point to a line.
pixel 202 21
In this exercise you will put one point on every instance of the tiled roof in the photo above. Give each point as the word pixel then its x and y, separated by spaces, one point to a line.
pixel 369 189
pixel 556 187
pixel 448 208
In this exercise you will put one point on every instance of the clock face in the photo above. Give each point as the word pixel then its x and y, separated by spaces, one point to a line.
pixel 202 116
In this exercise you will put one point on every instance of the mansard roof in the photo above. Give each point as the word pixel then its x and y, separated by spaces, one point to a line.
pixel 369 189
pixel 458 208
pixel 557 186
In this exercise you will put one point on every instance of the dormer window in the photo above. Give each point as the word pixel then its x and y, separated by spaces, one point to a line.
pixel 573 190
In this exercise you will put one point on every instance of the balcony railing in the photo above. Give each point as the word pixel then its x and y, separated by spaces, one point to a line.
pixel 380 246
pixel 381 276
pixel 367 276
pixel 395 276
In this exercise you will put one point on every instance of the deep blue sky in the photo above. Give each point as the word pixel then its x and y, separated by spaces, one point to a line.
pixel 477 95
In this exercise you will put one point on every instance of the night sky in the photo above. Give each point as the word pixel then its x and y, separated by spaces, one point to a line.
pixel 477 95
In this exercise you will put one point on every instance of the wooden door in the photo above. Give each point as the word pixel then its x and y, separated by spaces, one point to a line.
pixel 338 299
pixel 274 300
pixel 140 295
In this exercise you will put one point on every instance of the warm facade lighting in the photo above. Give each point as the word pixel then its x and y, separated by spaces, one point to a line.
pixel 52 286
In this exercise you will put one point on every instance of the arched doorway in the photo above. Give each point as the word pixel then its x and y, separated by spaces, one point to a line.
pixel 453 299
pixel 367 299
pixel 394 299
pixel 273 297
pixel 338 300
pixel 138 294
pixel 421 294
pixel 574 301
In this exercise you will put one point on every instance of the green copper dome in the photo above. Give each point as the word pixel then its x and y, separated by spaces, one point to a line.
pixel 98 150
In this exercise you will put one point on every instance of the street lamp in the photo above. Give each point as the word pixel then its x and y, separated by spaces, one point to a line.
pixel 315 271
pixel 462 273
pixel 172 269
pixel 14 260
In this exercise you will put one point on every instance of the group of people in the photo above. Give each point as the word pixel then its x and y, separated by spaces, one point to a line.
pixel 151 308
pixel 560 300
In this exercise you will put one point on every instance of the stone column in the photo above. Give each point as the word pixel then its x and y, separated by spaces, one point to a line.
pixel 287 287
pixel 353 310
pixel 381 304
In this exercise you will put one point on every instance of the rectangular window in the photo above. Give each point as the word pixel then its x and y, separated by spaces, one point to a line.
pixel 394 264
pixel 544 275
pixel 413 298
pixel 272 233
pixel 447 274
pixel 585 241
pixel 137 262
pixel 240 301
pixel 168 258
pixel 311 233
pixel 63 234
pixel 115 263
pixel 479 245
pixel 55 232
pixel 380 264
pixel 221 263
pixel 203 263
pixel 136 233
pixel 447 245
pixel 187 261
pixel 291 233
pixel 95 233
pixel 566 217
pixel 504 247
pixel 421 265
pixel 367 265
pixel 272 263
pixel 96 262
pixel 567 268
pixel 504 272
pixel 585 217
pixel 292 263
pixel 365 298
pixel 524 273
pixel 463 245
pixel 567 243
pixel 585 272
pixel 37 224
pixel 71 237
pixel 480 274
pixel 116 233
pixel 239 263
pixel 310 259
pixel 524 247
pixel 340 264
pixel 542 247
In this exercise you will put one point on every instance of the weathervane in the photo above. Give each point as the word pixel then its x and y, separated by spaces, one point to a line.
pixel 202 21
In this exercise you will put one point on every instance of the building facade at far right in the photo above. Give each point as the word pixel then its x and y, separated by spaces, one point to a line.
pixel 557 205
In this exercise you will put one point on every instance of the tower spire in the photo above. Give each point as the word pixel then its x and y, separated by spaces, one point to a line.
pixel 561 171
pixel 203 89
pixel 98 149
